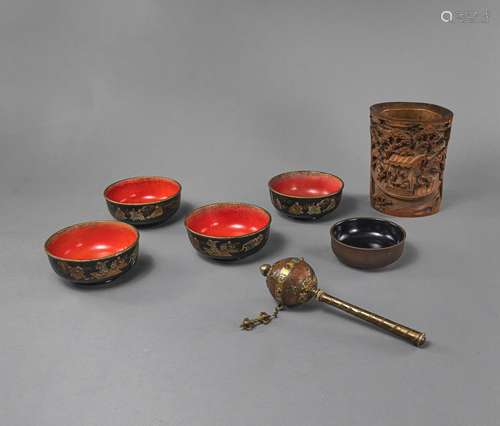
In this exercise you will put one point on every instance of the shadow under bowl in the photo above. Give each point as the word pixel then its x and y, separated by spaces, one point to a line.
pixel 367 243
pixel 228 231
pixel 143 200
pixel 93 252
pixel 306 194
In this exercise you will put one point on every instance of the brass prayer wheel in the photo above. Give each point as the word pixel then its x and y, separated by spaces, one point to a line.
pixel 292 281
pixel 409 141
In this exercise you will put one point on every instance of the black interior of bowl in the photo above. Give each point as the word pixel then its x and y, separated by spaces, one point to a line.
pixel 368 233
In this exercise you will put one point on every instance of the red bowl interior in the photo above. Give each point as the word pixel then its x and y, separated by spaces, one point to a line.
pixel 306 184
pixel 93 240
pixel 142 190
pixel 227 220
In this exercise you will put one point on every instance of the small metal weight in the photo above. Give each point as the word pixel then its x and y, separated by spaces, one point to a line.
pixel 292 281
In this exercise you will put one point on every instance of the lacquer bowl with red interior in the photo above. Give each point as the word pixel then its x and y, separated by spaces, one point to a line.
pixel 306 194
pixel 93 252
pixel 143 200
pixel 228 231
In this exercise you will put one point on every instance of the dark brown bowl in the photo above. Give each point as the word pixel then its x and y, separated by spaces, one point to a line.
pixel 228 231
pixel 93 252
pixel 306 194
pixel 143 200
pixel 367 243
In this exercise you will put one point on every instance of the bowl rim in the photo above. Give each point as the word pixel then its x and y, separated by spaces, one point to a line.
pixel 141 177
pixel 227 203
pixel 375 219
pixel 378 110
pixel 91 222
pixel 302 197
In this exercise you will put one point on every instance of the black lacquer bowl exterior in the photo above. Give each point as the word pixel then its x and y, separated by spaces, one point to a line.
pixel 305 207
pixel 144 214
pixel 232 247
pixel 94 271
pixel 140 214
pixel 367 243
pixel 228 248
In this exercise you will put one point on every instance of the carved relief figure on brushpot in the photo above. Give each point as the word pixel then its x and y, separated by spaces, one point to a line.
pixel 409 141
